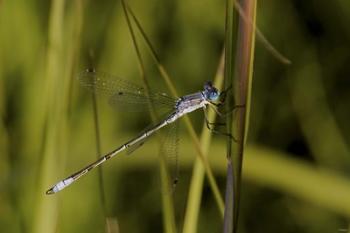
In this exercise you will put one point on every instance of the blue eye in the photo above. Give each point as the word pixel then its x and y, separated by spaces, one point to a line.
pixel 214 96
pixel 210 92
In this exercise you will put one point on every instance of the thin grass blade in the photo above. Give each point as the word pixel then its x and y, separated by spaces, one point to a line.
pixel 167 200
pixel 196 186
pixel 189 126
pixel 241 78
pixel 261 37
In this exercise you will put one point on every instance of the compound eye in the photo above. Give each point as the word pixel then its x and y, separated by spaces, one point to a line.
pixel 214 95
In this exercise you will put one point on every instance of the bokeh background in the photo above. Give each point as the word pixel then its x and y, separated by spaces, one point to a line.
pixel 296 166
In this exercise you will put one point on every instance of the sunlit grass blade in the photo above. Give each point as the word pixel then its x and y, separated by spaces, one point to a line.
pixel 240 75
pixel 112 225
pixel 46 213
pixel 300 180
pixel 189 126
pixel 167 200
pixel 196 186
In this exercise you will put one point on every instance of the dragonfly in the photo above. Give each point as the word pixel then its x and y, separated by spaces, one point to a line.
pixel 124 94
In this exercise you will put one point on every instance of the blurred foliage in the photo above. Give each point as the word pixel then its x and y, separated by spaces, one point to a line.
pixel 296 169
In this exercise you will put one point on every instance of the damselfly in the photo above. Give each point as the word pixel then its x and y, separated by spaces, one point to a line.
pixel 125 94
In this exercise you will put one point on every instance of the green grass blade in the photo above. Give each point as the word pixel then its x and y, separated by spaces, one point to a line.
pixel 46 212
pixel 99 153
pixel 244 67
pixel 196 186
pixel 261 37
pixel 167 200
pixel 272 169
pixel 316 118
pixel 298 178
pixel 189 126
pixel 241 80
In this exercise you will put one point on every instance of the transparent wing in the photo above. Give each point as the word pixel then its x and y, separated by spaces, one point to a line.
pixel 136 146
pixel 140 143
pixel 122 94
pixel 170 147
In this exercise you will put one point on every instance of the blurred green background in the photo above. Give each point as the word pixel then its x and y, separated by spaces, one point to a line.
pixel 297 163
